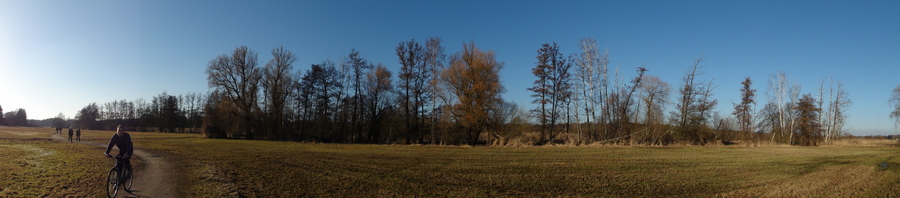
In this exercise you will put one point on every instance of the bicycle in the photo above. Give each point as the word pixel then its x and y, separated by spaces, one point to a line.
pixel 118 175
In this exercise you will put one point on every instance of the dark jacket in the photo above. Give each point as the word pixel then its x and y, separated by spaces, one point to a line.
pixel 123 143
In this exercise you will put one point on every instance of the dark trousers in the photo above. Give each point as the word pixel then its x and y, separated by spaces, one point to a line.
pixel 127 164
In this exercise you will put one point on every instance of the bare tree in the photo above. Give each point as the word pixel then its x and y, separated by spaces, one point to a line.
pixel 414 78
pixel 237 77
pixel 221 119
pixel 277 83
pixel 473 79
pixel 193 105
pixel 838 106
pixel 784 94
pixel 142 110
pixel 358 68
pixel 794 96
pixel 511 122
pixel 164 114
pixel 591 75
pixel 434 62
pixel 694 105
pixel 379 90
pixel 654 96
pixel 834 102
pixel 724 128
pixel 895 104
pixel 317 94
pixel 622 119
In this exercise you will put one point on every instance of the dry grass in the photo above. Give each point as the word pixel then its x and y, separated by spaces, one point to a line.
pixel 862 142
pixel 263 168
pixel 217 167
pixel 33 166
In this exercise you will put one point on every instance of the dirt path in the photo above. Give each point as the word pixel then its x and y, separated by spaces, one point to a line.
pixel 155 180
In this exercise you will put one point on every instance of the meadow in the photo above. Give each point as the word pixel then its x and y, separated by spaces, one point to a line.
pixel 31 165
pixel 222 167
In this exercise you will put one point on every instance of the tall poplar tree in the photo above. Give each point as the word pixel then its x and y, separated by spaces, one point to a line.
pixel 551 90
pixel 744 110
pixel 414 79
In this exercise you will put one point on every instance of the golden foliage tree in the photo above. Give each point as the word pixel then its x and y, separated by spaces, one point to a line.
pixel 473 79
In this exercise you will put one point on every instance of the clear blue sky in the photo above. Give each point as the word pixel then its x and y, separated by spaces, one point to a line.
pixel 58 56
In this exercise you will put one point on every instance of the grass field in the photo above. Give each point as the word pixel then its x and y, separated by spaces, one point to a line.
pixel 33 166
pixel 217 167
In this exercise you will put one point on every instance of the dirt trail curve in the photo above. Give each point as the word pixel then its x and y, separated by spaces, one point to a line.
pixel 154 180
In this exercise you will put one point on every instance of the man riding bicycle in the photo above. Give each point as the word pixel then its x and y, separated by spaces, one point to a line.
pixel 123 141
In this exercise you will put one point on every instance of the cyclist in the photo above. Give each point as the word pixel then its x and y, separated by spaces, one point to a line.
pixel 123 141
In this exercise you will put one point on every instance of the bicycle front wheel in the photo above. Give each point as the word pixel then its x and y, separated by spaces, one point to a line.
pixel 112 183
pixel 129 179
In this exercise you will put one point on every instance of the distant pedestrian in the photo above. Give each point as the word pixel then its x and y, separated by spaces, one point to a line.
pixel 78 134
pixel 70 134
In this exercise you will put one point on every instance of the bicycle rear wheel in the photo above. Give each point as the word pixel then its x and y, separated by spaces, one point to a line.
pixel 112 183
pixel 129 179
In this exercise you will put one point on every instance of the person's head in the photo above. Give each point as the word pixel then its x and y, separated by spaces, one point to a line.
pixel 120 130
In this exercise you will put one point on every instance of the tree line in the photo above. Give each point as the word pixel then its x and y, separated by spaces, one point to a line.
pixel 162 113
pixel 435 98
pixel 456 99
pixel 17 117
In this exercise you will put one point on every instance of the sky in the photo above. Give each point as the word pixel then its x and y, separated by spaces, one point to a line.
pixel 59 56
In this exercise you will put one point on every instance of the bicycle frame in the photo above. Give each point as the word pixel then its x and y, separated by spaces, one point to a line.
pixel 120 178
pixel 120 164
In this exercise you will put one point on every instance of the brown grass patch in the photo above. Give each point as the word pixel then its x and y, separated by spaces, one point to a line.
pixel 221 167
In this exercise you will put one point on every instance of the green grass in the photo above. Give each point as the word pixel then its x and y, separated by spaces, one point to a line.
pixel 217 167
